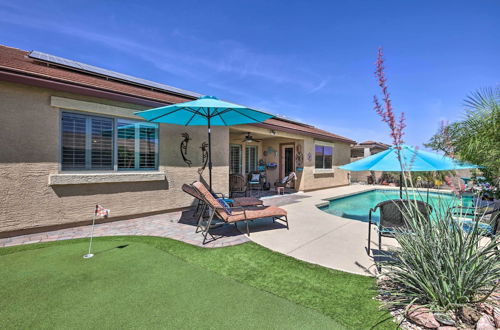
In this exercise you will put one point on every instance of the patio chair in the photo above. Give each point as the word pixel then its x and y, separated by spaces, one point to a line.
pixel 488 216
pixel 234 214
pixel 255 181
pixel 393 217
pixel 491 225
pixel 485 208
pixel 237 185
pixel 287 180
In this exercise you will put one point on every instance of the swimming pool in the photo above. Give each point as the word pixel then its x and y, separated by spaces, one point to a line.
pixel 358 206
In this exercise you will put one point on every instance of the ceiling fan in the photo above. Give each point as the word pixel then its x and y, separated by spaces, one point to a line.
pixel 249 138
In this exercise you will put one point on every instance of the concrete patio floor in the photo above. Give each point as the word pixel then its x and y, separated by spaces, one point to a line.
pixel 318 237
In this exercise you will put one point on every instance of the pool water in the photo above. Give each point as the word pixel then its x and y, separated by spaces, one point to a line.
pixel 358 206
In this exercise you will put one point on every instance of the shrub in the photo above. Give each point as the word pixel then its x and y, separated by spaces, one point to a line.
pixel 441 264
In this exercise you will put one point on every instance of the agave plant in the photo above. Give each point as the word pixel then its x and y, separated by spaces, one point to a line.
pixel 441 263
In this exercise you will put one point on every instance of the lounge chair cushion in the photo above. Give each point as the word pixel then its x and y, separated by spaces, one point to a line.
pixel 237 215
pixel 255 178
pixel 257 213
pixel 225 205
pixel 469 224
pixel 246 201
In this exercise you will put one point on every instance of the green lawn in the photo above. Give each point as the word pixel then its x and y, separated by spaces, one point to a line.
pixel 156 282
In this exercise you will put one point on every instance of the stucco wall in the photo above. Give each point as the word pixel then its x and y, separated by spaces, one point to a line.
pixel 29 153
pixel 313 179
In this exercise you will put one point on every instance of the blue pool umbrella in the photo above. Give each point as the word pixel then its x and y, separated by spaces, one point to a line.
pixel 206 111
pixel 413 160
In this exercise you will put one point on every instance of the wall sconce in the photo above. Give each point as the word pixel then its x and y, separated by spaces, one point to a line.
pixel 273 132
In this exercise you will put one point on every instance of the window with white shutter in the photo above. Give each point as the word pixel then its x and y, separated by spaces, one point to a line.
pixel 251 159
pixel 235 159
pixel 90 143
pixel 87 142
pixel 73 141
pixel 101 147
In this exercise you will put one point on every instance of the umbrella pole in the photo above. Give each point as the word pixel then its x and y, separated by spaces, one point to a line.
pixel 401 185
pixel 209 154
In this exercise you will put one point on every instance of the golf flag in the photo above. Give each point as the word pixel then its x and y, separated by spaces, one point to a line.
pixel 100 212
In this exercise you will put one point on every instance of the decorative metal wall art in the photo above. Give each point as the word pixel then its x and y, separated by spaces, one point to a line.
pixel 184 146
pixel 299 156
pixel 270 150
pixel 204 161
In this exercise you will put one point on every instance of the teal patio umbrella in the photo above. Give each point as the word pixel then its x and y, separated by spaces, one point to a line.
pixel 206 111
pixel 413 160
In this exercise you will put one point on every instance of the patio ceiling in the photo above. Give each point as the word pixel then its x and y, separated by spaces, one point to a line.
pixel 255 132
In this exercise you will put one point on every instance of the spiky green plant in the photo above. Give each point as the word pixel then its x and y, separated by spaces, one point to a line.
pixel 440 263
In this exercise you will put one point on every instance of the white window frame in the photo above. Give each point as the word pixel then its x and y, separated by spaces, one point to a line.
pixel 328 169
pixel 115 168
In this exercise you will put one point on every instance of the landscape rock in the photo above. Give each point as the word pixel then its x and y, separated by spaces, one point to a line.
pixel 423 317
pixel 485 323
pixel 470 315
pixel 447 327
pixel 495 295
pixel 444 319
pixel 486 308
pixel 496 317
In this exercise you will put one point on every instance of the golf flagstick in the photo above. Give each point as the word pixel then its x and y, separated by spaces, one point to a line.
pixel 99 211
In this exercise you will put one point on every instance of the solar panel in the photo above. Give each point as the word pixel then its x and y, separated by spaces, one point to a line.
pixel 107 73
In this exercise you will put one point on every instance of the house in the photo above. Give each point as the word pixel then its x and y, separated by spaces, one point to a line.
pixel 69 139
pixel 362 150
pixel 367 148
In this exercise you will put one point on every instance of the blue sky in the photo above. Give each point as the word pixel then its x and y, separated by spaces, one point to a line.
pixel 311 61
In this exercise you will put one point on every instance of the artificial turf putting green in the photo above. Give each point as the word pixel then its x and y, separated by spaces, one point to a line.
pixel 155 282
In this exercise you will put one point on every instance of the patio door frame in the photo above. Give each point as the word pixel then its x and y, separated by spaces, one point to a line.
pixel 282 158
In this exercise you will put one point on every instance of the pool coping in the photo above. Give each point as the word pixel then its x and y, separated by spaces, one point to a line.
pixel 329 199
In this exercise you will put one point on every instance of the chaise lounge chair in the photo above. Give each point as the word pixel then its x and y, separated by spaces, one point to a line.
pixel 393 218
pixel 233 214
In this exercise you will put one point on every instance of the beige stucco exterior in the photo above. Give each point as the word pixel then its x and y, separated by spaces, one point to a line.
pixel 29 156
pixel 35 193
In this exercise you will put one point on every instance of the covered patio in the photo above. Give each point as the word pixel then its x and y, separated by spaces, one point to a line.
pixel 269 155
